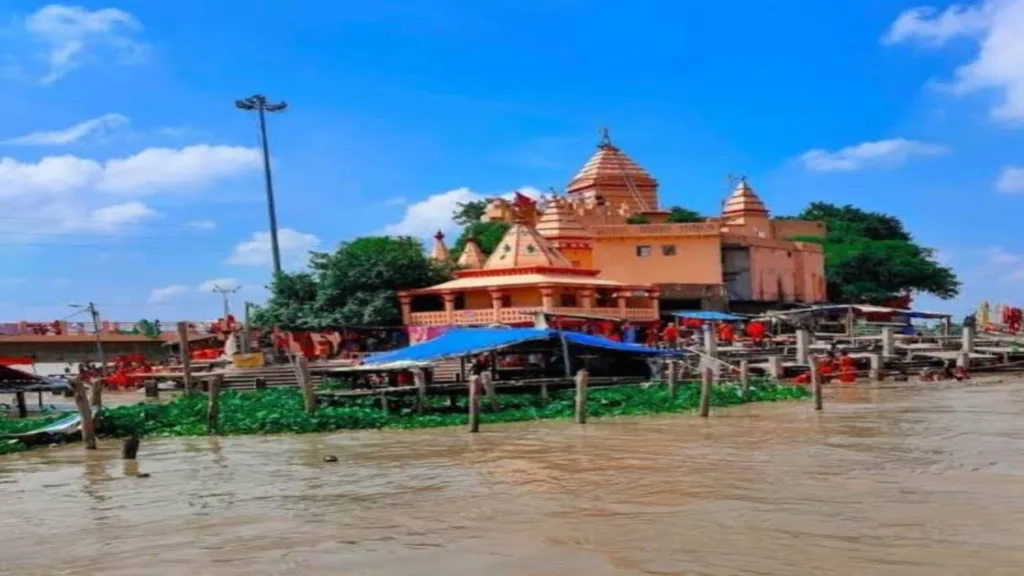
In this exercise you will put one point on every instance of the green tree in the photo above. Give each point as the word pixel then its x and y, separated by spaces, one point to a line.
pixel 870 257
pixel 357 284
pixel 467 213
pixel 638 219
pixel 487 235
pixel 680 215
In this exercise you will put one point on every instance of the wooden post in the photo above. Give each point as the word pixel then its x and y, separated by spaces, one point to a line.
pixel 130 448
pixel 306 383
pixel 213 404
pixel 775 367
pixel 963 359
pixel 186 356
pixel 544 391
pixel 706 377
pixel 565 355
pixel 260 384
pixel 22 406
pixel 151 388
pixel 88 425
pixel 671 379
pixel 888 342
pixel 474 404
pixel 967 339
pixel 875 373
pixel 420 377
pixel 816 386
pixel 745 377
pixel 582 381
pixel 803 345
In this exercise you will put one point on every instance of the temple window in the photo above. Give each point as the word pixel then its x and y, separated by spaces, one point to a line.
pixel 668 249
pixel 506 301
pixel 460 301
pixel 567 300
pixel 643 251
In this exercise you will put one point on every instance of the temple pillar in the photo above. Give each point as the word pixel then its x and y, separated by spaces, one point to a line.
pixel 587 298
pixel 449 306
pixel 547 298
pixel 496 296
pixel 405 300
pixel 655 296
pixel 620 299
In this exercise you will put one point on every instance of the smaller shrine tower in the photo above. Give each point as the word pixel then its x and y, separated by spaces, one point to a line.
pixel 744 208
pixel 559 226
pixel 439 252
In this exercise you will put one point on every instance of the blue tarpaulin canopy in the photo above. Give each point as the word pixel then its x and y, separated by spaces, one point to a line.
pixel 707 315
pixel 467 341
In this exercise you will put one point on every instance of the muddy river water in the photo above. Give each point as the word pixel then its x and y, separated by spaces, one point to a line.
pixel 918 481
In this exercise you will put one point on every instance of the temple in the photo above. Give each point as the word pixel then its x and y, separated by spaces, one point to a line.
pixel 607 247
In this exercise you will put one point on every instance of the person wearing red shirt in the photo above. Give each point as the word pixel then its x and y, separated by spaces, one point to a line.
pixel 671 335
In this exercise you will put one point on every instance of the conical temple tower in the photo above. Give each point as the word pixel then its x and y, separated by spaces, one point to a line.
pixel 439 252
pixel 472 257
pixel 559 226
pixel 744 208
pixel 614 177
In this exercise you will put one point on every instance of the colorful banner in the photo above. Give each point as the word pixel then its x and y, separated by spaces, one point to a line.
pixel 420 334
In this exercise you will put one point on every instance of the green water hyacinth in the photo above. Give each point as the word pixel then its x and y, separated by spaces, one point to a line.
pixel 280 411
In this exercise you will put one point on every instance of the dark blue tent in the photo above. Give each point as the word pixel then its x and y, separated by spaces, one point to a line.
pixel 468 341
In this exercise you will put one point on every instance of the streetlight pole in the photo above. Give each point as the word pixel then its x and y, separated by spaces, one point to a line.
pixel 224 293
pixel 260 104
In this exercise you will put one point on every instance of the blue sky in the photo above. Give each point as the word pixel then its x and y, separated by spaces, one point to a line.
pixel 128 178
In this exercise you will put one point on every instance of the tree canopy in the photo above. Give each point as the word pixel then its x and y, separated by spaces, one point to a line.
pixel 487 234
pixel 680 215
pixel 357 284
pixel 871 258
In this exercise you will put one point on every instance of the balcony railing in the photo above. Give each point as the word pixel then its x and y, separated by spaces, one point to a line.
pixel 65 328
pixel 522 315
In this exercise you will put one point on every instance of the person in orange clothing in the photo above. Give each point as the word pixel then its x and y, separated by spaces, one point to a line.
pixel 847 367
pixel 725 333
pixel 826 368
pixel 671 335
pixel 755 331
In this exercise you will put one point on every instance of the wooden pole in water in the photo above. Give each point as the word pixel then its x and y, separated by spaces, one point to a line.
pixel 544 391
pixel 419 375
pixel 582 381
pixel 671 378
pixel 745 377
pixel 707 377
pixel 186 356
pixel 816 386
pixel 22 406
pixel 474 404
pixel 213 405
pixel 130 448
pixel 88 425
pixel 306 383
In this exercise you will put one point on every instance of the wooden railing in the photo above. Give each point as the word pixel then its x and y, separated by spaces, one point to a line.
pixel 521 315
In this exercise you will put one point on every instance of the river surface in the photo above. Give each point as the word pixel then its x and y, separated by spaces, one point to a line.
pixel 895 481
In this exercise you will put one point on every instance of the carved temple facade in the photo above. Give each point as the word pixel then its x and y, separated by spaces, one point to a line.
pixel 606 247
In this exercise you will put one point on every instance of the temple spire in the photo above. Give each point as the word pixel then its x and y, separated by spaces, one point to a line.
pixel 439 252
pixel 472 256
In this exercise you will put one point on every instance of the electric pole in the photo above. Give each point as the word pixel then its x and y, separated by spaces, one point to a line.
pixel 224 293
pixel 260 104
pixel 97 387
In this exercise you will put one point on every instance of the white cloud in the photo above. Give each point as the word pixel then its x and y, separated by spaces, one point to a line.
pixel 396 201
pixel 219 283
pixel 67 188
pixel 997 255
pixel 996 26
pixel 256 251
pixel 868 154
pixel 1011 180
pixel 123 214
pixel 435 212
pixel 167 292
pixel 69 135
pixel 202 224
pixel 73 36
pixel 159 168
